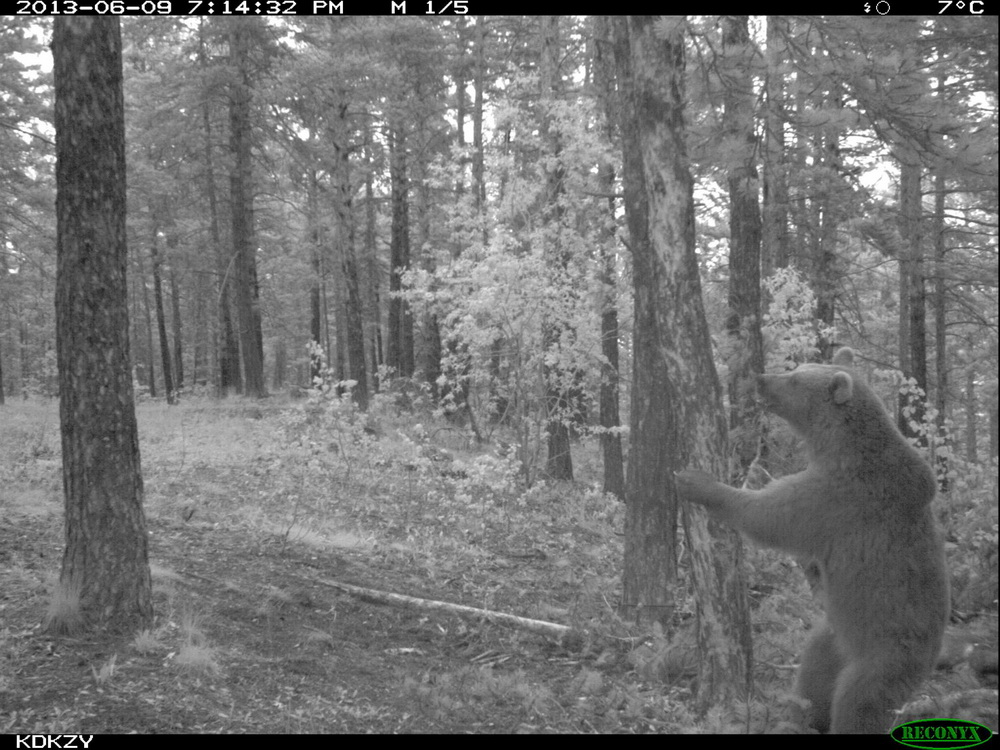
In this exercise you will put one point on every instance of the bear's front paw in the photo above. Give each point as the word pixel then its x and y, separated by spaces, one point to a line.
pixel 695 486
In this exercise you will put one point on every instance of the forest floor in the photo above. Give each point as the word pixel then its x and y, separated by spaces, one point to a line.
pixel 251 517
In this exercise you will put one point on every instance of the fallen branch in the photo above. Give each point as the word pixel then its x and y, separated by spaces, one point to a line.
pixel 384 597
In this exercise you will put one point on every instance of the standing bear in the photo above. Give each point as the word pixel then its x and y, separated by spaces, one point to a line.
pixel 860 514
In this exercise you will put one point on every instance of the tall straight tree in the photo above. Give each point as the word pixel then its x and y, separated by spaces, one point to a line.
pixel 559 397
pixel 228 349
pixel 161 320
pixel 743 321
pixel 241 181
pixel 352 325
pixel 774 222
pixel 677 413
pixel 106 566
pixel 611 441
pixel 399 352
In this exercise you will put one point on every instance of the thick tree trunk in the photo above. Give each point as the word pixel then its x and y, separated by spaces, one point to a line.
pixel 651 518
pixel 244 244
pixel 677 414
pixel 227 350
pixel 105 567
pixel 353 305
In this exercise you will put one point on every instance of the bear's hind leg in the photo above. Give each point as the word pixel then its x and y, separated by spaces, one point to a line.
pixel 869 690
pixel 817 679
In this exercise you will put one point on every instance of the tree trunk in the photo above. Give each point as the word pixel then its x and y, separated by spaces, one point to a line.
pixel 611 442
pixel 430 349
pixel 826 217
pixel 913 304
pixel 148 315
pixel 199 359
pixel 400 345
pixel 677 414
pixel 774 230
pixel 241 182
pixel 911 268
pixel 971 417
pixel 5 325
pixel 161 322
pixel 228 350
pixel 353 305
pixel 746 345
pixel 280 364
pixel 993 408
pixel 650 538
pixel 175 306
pixel 559 397
pixel 372 332
pixel 940 330
pixel 105 567
pixel 478 150
pixel 316 245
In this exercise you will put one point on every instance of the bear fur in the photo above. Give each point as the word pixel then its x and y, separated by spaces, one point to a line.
pixel 860 515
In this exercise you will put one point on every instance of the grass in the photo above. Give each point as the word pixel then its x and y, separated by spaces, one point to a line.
pixel 250 506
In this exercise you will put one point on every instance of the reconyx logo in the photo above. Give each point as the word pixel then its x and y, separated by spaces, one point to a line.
pixel 60 741
pixel 950 734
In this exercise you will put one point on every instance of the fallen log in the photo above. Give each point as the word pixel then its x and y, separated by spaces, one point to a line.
pixel 401 600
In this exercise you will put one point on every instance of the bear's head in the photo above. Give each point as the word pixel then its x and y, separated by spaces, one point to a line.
pixel 811 397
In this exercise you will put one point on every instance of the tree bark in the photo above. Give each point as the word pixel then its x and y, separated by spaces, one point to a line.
pixel 316 286
pixel 910 82
pixel 774 229
pixel 241 188
pixel 971 417
pixel 940 330
pixel 560 399
pixel 370 269
pixel 161 321
pixel 610 419
pixel 911 268
pixel 745 351
pixel 677 414
pixel 148 316
pixel 344 208
pixel 478 149
pixel 228 349
pixel 105 567
pixel 400 345
pixel 175 306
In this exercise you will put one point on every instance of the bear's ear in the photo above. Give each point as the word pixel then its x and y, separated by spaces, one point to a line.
pixel 841 387
pixel 844 357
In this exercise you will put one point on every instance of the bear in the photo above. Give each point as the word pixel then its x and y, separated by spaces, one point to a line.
pixel 859 516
